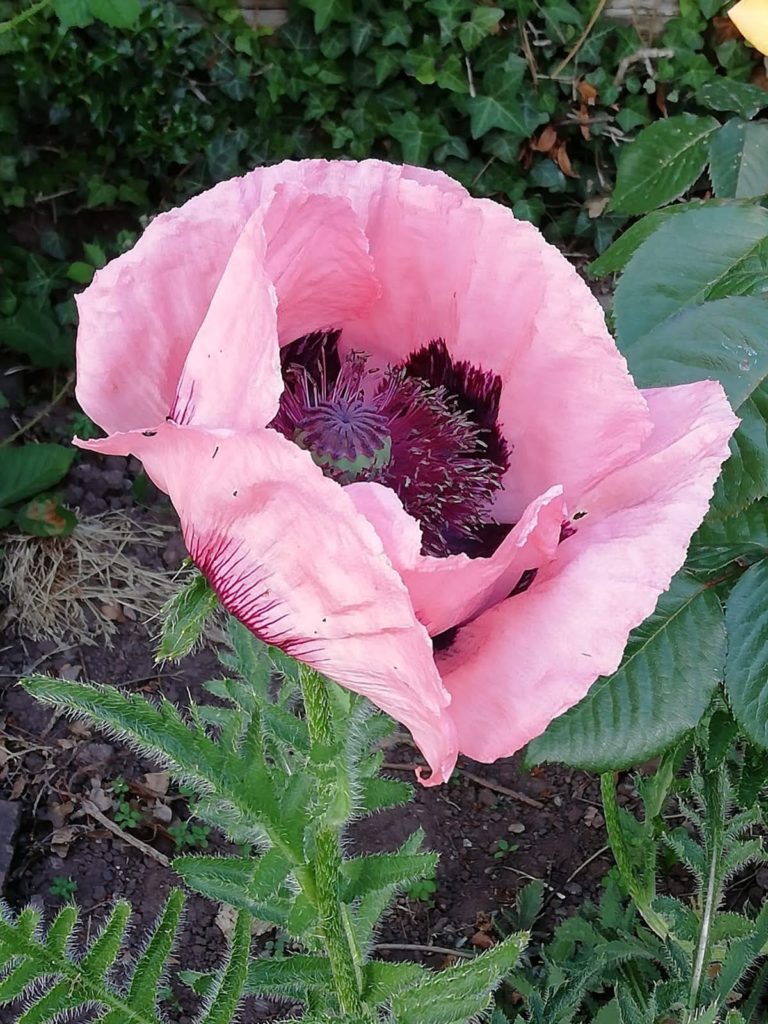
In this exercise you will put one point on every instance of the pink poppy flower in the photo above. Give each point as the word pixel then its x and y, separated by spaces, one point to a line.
pixel 401 443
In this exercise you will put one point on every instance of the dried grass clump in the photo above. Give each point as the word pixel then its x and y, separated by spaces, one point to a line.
pixel 80 586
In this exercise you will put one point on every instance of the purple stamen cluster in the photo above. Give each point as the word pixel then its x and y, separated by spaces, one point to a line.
pixel 426 428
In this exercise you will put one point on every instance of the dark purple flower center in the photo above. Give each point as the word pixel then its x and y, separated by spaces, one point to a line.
pixel 426 428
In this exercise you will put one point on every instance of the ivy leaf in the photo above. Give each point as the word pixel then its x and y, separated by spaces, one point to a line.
pixel 672 665
pixel 731 254
pixel 418 136
pixel 664 161
pixel 738 156
pixel 726 94
pixel 746 667
pixel 483 22
pixel 448 13
pixel 326 11
pixel 36 335
pixel 507 109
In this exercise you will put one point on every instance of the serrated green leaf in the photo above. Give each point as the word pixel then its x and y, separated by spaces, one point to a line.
pixel 618 254
pixel 184 618
pixel 382 980
pixel 458 993
pixel 738 155
pixel 290 976
pixel 727 94
pixel 26 470
pixel 662 163
pixel 746 666
pixel 152 963
pixel 719 542
pixel 227 991
pixel 725 340
pixel 382 871
pixel 730 244
pixel 671 667
pixel 245 883
pixel 379 793
pixel 238 793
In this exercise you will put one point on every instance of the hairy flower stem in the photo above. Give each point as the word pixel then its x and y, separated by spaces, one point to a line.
pixel 714 806
pixel 641 890
pixel 326 866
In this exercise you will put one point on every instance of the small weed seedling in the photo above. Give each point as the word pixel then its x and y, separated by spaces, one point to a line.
pixel 126 816
pixel 187 833
pixel 504 848
pixel 422 890
pixel 119 786
pixel 63 888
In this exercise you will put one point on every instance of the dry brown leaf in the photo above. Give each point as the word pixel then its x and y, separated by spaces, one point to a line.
pixel 162 812
pixel 113 612
pixel 102 800
pixel 587 92
pixel 60 812
pixel 546 140
pixel 482 940
pixel 596 206
pixel 563 161
pixel 157 782
pixel 584 123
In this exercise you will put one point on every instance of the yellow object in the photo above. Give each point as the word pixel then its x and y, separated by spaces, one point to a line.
pixel 751 19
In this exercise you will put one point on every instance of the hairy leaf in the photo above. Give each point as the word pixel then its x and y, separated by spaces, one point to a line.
pixel 672 665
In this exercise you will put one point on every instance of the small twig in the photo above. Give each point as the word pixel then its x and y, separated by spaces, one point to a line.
pixel 42 414
pixel 470 77
pixel 582 38
pixel 419 948
pixel 527 50
pixel 93 810
pixel 522 798
pixel 647 53
pixel 587 862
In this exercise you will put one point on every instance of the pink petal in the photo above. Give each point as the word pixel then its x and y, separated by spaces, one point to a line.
pixel 448 591
pixel 231 377
pixel 467 271
pixel 287 553
pixel 530 658
pixel 144 309
pixel 318 261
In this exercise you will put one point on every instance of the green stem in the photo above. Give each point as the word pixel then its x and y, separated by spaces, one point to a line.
pixel 9 26
pixel 715 816
pixel 641 898
pixel 326 866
